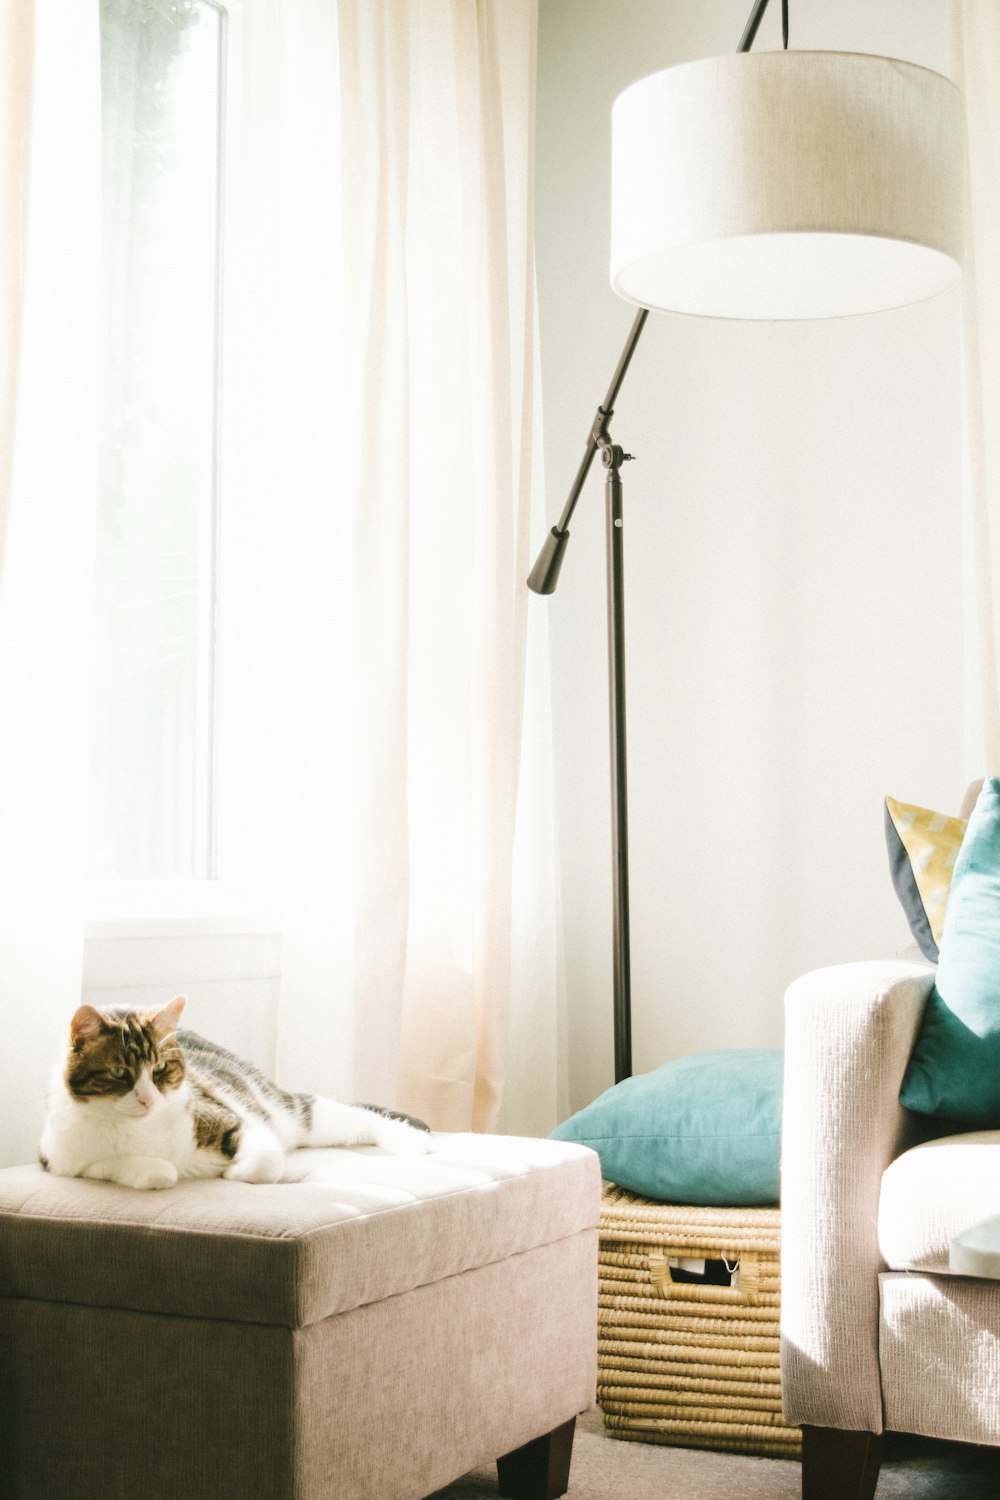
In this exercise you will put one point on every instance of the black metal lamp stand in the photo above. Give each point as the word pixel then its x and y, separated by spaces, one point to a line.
pixel 542 580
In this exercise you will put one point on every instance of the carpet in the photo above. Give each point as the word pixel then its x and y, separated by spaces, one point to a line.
pixel 611 1469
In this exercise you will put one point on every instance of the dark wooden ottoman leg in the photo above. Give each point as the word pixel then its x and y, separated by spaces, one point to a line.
pixel 539 1470
pixel 839 1465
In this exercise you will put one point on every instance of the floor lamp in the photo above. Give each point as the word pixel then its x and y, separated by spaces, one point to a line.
pixel 770 186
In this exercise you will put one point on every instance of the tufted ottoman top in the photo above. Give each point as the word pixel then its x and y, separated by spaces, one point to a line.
pixel 347 1229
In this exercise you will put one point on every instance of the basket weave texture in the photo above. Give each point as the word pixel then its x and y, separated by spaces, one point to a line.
pixel 690 1365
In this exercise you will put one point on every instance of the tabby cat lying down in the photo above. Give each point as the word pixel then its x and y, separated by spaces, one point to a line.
pixel 136 1101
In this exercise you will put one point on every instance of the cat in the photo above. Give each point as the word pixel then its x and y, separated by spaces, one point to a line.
pixel 135 1100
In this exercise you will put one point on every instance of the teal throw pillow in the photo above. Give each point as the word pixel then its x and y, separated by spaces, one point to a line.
pixel 704 1129
pixel 954 1070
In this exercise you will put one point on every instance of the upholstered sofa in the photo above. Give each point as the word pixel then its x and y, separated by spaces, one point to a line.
pixel 877 1333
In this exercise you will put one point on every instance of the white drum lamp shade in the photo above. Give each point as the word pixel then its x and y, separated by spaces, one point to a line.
pixel 787 185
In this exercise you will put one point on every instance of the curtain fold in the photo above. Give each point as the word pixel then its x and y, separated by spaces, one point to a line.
pixel 50 139
pixel 975 31
pixel 437 112
pixel 17 26
pixel 287 733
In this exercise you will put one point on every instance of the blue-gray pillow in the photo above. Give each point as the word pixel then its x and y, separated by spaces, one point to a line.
pixel 954 1069
pixel 704 1129
pixel 923 846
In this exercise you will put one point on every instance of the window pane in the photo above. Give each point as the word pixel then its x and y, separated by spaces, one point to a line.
pixel 163 101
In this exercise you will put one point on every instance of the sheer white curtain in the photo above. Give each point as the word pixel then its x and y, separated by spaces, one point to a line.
pixel 50 231
pixel 16 54
pixel 383 427
pixel 438 115
pixel 976 43
pixel 383 759
pixel 286 766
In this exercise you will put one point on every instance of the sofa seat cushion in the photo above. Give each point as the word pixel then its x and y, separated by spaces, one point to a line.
pixel 354 1228
pixel 932 1193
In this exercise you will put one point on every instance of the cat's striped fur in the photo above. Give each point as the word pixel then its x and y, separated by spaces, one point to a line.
pixel 137 1101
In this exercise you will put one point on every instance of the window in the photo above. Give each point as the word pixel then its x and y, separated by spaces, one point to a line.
pixel 155 723
pixel 224 567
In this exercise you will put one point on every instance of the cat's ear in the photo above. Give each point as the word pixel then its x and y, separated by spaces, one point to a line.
pixel 87 1024
pixel 166 1021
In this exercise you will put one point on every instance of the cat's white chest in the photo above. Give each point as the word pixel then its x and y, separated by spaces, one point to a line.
pixel 79 1133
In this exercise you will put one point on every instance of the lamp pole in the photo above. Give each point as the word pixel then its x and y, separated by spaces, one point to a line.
pixel 612 457
pixel 542 580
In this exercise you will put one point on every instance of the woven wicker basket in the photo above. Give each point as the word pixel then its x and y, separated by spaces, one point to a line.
pixel 690 1365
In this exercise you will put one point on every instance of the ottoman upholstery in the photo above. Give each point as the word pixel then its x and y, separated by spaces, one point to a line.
pixel 374 1329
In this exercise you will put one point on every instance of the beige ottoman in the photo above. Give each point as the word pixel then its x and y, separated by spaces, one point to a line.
pixel 372 1330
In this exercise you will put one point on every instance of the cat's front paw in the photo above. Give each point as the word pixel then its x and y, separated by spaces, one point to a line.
pixel 260 1166
pixel 151 1176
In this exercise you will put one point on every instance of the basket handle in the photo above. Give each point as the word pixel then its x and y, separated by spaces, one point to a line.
pixel 746 1290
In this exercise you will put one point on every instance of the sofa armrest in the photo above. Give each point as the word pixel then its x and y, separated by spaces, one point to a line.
pixel 848 1035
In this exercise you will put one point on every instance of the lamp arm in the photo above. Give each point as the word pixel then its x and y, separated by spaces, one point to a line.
pixel 756 16
pixel 543 576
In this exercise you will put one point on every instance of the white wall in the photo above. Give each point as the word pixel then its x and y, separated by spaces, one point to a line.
pixel 793 580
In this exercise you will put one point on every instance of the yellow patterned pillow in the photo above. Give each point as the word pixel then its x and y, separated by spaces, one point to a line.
pixel 923 846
